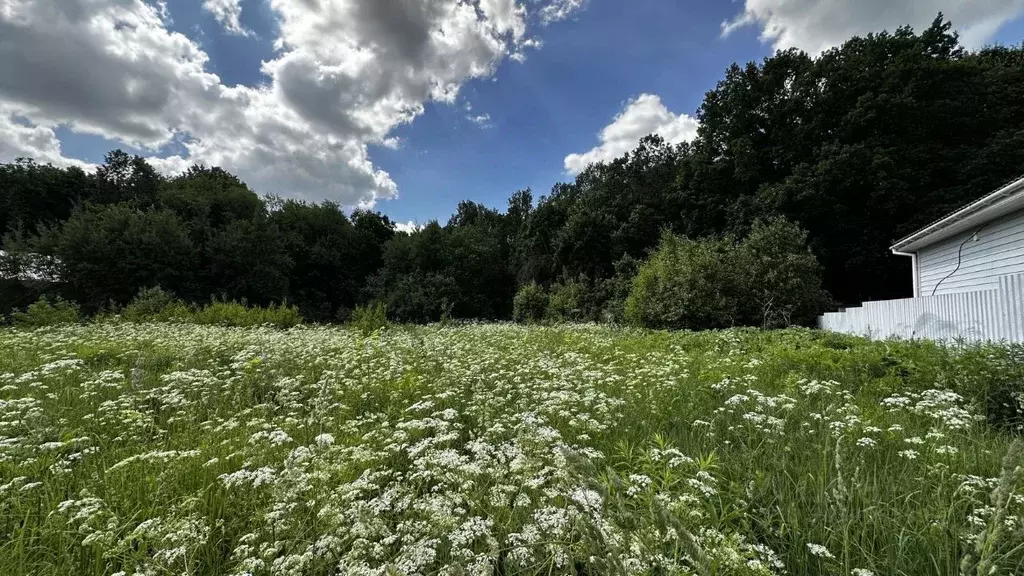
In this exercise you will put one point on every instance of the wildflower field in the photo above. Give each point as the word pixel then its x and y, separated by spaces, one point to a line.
pixel 499 449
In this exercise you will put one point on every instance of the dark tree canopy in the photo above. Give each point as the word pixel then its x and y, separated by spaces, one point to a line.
pixel 35 194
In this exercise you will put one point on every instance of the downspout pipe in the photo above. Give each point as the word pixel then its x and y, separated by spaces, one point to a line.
pixel 914 267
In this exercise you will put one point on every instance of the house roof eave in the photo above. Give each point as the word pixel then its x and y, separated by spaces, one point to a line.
pixel 1006 200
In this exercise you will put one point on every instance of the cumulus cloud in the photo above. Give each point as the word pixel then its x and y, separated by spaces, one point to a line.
pixel 228 13
pixel 408 227
pixel 21 139
pixel 816 25
pixel 345 73
pixel 642 116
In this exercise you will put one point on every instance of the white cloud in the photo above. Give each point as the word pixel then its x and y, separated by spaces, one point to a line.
pixel 816 25
pixel 481 120
pixel 18 139
pixel 641 117
pixel 408 227
pixel 228 13
pixel 530 43
pixel 345 73
pixel 560 10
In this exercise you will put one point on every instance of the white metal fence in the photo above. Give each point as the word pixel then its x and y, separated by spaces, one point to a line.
pixel 996 315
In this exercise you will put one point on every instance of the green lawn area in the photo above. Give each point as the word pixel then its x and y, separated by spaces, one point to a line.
pixel 501 449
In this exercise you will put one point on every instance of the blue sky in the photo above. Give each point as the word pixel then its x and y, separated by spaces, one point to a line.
pixel 268 88
pixel 556 102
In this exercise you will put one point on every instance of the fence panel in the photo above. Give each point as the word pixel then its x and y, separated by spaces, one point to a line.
pixel 994 315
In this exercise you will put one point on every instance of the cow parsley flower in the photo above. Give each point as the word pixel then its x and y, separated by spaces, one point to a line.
pixel 819 551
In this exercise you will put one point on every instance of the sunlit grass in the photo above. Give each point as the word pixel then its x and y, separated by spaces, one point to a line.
pixel 496 449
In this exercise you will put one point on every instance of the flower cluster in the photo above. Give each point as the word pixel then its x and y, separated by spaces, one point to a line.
pixel 475 449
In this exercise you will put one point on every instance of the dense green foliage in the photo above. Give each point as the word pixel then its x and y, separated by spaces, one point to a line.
pixel 567 301
pixel 459 270
pixel 151 305
pixel 236 314
pixel 687 284
pixel 46 313
pixel 200 236
pixel 370 318
pixel 530 303
pixel 770 279
pixel 502 449
pixel 157 305
pixel 858 147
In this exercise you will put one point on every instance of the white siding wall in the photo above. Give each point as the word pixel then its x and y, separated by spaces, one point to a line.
pixel 999 251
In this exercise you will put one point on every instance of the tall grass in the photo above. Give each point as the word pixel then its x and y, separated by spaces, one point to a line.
pixel 184 449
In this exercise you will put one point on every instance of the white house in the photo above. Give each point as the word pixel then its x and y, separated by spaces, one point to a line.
pixel 968 272
pixel 970 249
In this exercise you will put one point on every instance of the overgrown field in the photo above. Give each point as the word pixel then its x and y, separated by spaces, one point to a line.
pixel 496 449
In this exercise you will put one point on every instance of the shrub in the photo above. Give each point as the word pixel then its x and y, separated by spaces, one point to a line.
pixel 530 304
pixel 43 313
pixel 370 318
pixel 568 301
pixel 613 292
pixel 770 280
pixel 235 314
pixel 686 284
pixel 157 305
pixel 782 278
pixel 150 305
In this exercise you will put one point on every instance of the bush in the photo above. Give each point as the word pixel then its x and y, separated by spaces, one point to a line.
pixel 371 318
pixel 613 292
pixel 686 284
pixel 530 304
pixel 158 305
pixel 770 280
pixel 782 278
pixel 568 301
pixel 43 313
pixel 235 314
pixel 152 305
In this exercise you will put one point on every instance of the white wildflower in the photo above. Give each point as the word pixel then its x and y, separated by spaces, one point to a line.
pixel 819 551
pixel 908 454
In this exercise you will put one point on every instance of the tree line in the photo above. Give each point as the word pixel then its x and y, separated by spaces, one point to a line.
pixel 845 152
